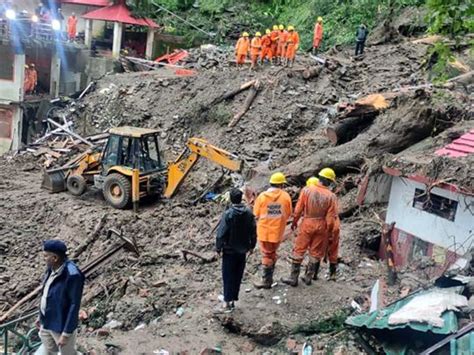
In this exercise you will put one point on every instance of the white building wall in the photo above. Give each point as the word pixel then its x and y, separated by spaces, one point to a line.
pixel 457 235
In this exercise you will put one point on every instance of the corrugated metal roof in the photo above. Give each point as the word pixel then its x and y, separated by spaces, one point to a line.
pixel 379 319
pixel 460 147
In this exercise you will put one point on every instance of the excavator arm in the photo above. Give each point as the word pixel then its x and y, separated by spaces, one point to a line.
pixel 196 148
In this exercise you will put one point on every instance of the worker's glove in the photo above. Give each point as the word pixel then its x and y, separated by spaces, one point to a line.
pixel 294 225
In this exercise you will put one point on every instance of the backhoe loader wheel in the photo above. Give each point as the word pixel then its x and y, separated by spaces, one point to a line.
pixel 76 185
pixel 117 190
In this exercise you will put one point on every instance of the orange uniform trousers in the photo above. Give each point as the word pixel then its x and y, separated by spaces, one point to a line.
pixel 269 252
pixel 313 237
pixel 254 57
pixel 240 58
pixel 333 243
pixel 291 51
pixel 266 53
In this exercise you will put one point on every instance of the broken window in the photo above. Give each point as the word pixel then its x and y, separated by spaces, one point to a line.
pixel 435 204
pixel 6 63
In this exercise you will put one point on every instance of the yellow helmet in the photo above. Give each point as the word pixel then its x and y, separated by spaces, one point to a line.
pixel 245 34
pixel 312 181
pixel 267 31
pixel 291 28
pixel 281 27
pixel 278 179
pixel 258 34
pixel 328 173
pixel 320 19
pixel 275 27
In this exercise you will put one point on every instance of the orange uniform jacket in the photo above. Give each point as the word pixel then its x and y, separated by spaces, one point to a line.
pixel 292 43
pixel 34 79
pixel 242 46
pixel 318 34
pixel 274 38
pixel 272 208
pixel 318 203
pixel 255 46
pixel 266 47
pixel 72 26
pixel 281 43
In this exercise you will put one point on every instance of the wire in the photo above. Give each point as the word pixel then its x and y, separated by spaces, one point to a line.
pixel 180 18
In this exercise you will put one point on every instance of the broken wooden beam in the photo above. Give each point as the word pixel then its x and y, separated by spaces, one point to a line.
pixel 247 103
pixel 68 131
pixel 229 95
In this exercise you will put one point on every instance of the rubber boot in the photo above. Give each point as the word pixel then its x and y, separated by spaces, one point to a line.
pixel 267 278
pixel 316 270
pixel 332 272
pixel 309 274
pixel 295 273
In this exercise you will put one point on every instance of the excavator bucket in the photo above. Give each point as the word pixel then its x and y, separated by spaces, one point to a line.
pixel 54 181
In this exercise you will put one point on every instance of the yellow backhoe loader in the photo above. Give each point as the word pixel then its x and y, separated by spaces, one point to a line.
pixel 130 167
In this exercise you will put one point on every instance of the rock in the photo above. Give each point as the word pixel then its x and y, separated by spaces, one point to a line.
pixel 113 324
pixel 102 332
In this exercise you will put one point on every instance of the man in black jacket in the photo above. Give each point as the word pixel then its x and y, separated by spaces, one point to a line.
pixel 236 236
pixel 361 37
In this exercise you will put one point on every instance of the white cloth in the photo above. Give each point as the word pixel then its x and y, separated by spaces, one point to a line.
pixel 49 281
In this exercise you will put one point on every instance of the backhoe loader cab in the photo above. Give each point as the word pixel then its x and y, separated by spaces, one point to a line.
pixel 131 166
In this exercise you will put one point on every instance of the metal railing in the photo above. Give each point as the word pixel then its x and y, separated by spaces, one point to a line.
pixel 13 331
pixel 26 29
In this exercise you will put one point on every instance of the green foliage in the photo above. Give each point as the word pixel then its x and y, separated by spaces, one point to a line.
pixel 453 19
pixel 335 323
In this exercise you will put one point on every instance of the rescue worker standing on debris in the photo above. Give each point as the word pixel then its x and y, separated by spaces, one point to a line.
pixel 274 45
pixel 292 45
pixel 272 209
pixel 255 49
pixel 60 301
pixel 317 205
pixel 236 236
pixel 266 47
pixel 27 80
pixel 318 35
pixel 72 27
pixel 33 78
pixel 242 49
pixel 361 37
pixel 281 49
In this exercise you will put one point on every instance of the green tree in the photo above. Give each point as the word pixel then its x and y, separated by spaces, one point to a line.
pixel 453 19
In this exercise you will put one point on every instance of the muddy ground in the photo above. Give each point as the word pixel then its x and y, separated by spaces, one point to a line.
pixel 282 129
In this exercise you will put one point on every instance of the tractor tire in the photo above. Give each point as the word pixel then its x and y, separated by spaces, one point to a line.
pixel 76 185
pixel 117 191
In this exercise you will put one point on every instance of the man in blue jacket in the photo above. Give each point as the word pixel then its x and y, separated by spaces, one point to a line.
pixel 236 236
pixel 60 300
pixel 361 37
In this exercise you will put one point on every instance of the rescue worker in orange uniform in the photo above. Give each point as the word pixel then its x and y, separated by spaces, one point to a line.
pixel 292 45
pixel 274 45
pixel 242 49
pixel 281 48
pixel 318 35
pixel 266 47
pixel 27 80
pixel 272 209
pixel 33 77
pixel 318 207
pixel 72 27
pixel 255 49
